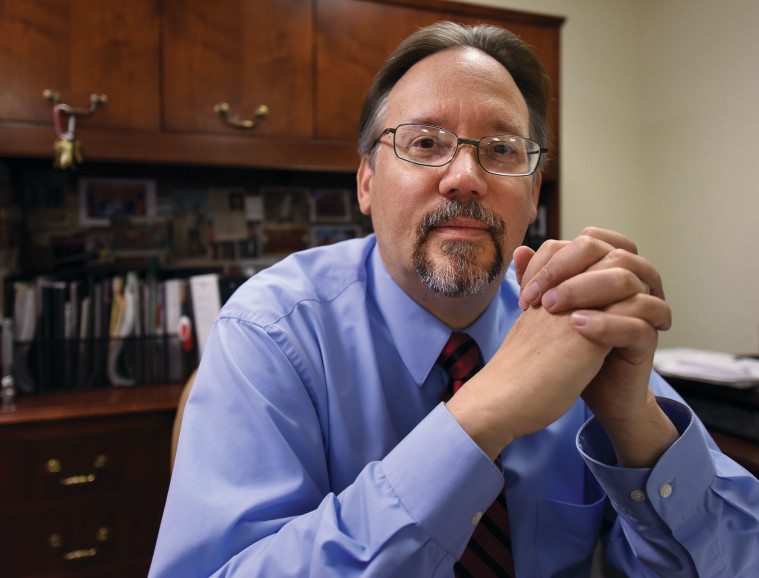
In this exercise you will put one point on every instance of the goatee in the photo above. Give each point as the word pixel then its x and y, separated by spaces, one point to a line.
pixel 459 272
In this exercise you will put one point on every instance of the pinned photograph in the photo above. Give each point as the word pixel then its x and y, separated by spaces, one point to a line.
pixel 190 223
pixel 286 204
pixel 331 205
pixel 102 201
pixel 228 214
pixel 254 208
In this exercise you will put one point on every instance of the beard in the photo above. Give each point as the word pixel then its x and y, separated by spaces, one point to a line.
pixel 459 272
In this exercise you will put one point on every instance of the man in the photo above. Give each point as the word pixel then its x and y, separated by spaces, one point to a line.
pixel 315 443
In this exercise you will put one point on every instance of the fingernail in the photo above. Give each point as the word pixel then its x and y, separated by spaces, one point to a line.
pixel 531 292
pixel 549 299
pixel 580 319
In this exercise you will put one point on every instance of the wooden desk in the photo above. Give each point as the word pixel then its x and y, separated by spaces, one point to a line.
pixel 83 481
pixel 728 434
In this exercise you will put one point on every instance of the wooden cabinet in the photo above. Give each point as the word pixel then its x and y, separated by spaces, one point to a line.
pixel 351 47
pixel 77 48
pixel 164 64
pixel 83 480
pixel 246 53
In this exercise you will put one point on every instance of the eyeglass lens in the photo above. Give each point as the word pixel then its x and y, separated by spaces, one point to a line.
pixel 434 146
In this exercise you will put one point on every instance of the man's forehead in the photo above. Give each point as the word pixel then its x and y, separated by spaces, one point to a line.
pixel 455 83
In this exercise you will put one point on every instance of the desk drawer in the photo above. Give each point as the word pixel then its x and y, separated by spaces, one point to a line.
pixel 80 460
pixel 68 539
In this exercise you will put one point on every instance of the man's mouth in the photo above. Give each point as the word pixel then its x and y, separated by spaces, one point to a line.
pixel 456 219
pixel 462 226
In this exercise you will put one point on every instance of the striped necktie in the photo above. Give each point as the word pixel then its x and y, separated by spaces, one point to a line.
pixel 488 553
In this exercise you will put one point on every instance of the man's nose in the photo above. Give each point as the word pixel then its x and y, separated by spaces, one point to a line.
pixel 464 175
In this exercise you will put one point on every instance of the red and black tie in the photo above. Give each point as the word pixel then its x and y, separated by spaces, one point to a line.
pixel 488 553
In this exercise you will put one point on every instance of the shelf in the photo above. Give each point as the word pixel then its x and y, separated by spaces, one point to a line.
pixel 105 401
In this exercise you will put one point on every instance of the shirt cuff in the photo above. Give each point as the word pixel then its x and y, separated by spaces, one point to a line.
pixel 666 492
pixel 443 478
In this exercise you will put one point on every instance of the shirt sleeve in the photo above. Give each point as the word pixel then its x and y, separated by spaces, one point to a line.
pixel 250 493
pixel 695 513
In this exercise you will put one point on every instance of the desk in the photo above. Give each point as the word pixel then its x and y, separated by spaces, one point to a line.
pixel 83 480
pixel 730 415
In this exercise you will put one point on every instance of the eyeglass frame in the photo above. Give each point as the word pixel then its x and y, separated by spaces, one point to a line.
pixel 464 141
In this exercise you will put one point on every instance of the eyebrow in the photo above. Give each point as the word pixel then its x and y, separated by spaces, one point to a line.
pixel 502 126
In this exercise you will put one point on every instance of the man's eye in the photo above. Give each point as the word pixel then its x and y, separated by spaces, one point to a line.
pixel 425 143
pixel 502 149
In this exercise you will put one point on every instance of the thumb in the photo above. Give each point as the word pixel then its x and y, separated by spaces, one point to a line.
pixel 522 256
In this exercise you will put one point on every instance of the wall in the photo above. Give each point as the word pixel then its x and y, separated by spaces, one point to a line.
pixel 659 139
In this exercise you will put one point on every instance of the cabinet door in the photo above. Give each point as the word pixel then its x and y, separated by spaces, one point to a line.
pixel 351 48
pixel 246 53
pixel 354 39
pixel 80 47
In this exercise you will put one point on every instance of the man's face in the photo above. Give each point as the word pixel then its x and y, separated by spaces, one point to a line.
pixel 450 229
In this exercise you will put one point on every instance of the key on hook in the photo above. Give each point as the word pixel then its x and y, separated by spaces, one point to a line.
pixel 67 148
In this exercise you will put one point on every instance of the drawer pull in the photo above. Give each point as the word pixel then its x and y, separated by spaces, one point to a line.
pixel 77 480
pixel 79 554
pixel 222 109
pixel 53 466
pixel 55 541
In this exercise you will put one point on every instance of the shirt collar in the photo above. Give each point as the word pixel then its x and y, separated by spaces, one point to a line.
pixel 420 336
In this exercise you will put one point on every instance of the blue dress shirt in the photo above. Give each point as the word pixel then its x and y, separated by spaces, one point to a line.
pixel 314 444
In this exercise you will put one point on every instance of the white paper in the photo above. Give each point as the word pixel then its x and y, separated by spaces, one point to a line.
pixel 710 366
pixel 254 208
pixel 206 304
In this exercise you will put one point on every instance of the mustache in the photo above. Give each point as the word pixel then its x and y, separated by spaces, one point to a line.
pixel 452 208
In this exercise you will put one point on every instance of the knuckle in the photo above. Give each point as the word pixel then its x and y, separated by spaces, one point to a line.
pixel 619 256
pixel 643 331
pixel 625 280
pixel 552 245
pixel 589 231
pixel 544 277
pixel 566 294
pixel 585 242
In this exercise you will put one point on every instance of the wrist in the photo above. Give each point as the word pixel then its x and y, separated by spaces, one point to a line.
pixel 640 439
pixel 477 416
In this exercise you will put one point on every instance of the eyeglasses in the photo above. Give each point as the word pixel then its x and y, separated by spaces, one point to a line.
pixel 433 146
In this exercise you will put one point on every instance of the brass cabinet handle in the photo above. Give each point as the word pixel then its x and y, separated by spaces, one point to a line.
pixel 55 541
pixel 53 466
pixel 54 98
pixel 67 149
pixel 222 109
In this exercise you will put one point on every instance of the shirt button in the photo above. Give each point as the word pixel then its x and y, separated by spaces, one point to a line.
pixel 665 491
pixel 638 495
pixel 476 518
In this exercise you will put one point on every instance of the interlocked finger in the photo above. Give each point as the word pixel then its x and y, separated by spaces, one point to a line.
pixel 595 289
pixel 650 309
pixel 620 258
pixel 558 261
pixel 635 336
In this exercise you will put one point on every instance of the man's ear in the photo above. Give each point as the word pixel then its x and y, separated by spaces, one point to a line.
pixel 364 185
pixel 537 180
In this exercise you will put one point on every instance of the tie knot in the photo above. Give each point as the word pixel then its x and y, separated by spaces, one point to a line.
pixel 461 358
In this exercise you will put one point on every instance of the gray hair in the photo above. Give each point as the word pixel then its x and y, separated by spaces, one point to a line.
pixel 504 46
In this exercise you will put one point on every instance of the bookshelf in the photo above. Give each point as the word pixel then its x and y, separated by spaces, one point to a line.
pixel 99 259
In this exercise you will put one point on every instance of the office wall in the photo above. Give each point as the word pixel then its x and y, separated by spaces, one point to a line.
pixel 660 140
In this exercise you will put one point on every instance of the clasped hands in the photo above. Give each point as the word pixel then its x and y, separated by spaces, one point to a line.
pixel 592 311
